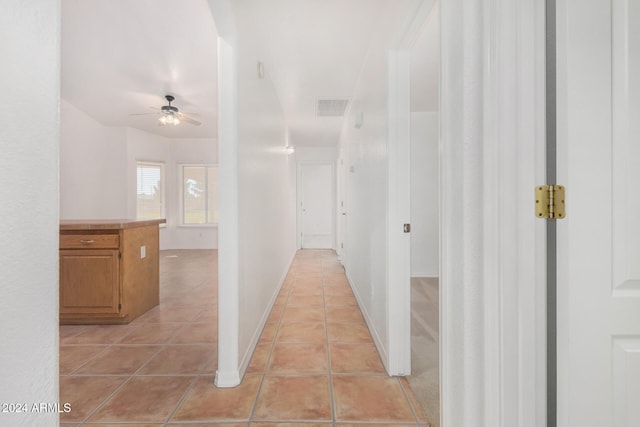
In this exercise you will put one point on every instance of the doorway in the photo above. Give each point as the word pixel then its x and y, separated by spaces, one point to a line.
pixel 316 206
pixel 424 182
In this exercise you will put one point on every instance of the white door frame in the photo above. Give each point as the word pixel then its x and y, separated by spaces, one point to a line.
pixel 492 248
pixel 299 166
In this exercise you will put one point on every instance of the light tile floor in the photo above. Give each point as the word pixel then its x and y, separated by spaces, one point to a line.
pixel 424 379
pixel 315 362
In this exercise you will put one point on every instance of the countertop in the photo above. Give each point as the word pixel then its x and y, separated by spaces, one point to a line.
pixel 107 224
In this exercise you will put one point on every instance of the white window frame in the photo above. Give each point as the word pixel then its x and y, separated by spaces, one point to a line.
pixel 163 190
pixel 181 167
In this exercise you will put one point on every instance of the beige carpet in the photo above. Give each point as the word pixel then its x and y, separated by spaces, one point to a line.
pixel 424 380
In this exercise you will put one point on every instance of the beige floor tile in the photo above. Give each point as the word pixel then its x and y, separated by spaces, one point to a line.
pixel 212 366
pixel 74 356
pixel 290 424
pixel 85 394
pixel 123 425
pixel 355 359
pixel 303 314
pixel 348 333
pixel 179 360
pixel 302 332
pixel 370 398
pixel 152 333
pixel 205 402
pixel 307 290
pixel 207 316
pixel 259 359
pixel 276 314
pixel 68 331
pixel 144 399
pixel 340 300
pixel 344 314
pixel 298 359
pixel 118 360
pixel 305 300
pixel 375 425
pixel 294 398
pixel 338 291
pixel 194 333
pixel 161 314
pixel 269 332
pixel 99 334
pixel 417 408
pixel 312 282
pixel 208 425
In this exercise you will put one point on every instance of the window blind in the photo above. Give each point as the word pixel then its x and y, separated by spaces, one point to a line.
pixel 150 191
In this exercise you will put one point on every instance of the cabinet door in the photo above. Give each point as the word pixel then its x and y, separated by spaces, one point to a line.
pixel 89 281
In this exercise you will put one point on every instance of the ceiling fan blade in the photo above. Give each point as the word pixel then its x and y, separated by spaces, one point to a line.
pixel 144 114
pixel 187 119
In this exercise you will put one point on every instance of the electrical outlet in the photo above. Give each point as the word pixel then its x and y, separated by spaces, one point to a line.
pixel 143 252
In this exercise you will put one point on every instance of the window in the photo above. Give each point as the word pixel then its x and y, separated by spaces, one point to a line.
pixel 199 194
pixel 150 191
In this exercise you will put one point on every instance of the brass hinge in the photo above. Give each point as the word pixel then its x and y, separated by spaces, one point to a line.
pixel 550 202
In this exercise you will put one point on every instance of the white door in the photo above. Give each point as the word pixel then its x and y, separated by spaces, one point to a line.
pixel 315 205
pixel 599 241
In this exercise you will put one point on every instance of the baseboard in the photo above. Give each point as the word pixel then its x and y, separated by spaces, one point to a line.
pixel 423 275
pixel 382 351
pixel 246 357
pixel 227 379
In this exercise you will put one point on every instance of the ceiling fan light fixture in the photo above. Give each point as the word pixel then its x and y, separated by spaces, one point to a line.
pixel 169 120
pixel 170 115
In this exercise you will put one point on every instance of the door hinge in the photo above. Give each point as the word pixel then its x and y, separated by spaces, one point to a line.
pixel 119 255
pixel 407 228
pixel 550 202
pixel 119 307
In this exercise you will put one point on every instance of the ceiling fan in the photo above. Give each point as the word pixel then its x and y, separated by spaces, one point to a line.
pixel 170 115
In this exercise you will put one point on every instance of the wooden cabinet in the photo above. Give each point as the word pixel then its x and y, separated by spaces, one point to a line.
pixel 89 281
pixel 108 270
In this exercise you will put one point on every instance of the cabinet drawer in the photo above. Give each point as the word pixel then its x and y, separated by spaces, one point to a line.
pixel 89 241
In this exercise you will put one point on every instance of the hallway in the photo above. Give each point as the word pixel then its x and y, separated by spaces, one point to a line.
pixel 315 361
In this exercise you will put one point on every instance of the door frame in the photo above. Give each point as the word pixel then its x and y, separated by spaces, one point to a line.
pixel 299 166
pixel 492 248
pixel 493 257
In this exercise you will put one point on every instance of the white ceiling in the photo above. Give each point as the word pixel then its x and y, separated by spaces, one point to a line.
pixel 311 49
pixel 122 56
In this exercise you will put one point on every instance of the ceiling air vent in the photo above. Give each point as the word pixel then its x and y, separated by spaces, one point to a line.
pixel 331 107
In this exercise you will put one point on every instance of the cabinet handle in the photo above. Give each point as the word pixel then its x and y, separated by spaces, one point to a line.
pixel 87 242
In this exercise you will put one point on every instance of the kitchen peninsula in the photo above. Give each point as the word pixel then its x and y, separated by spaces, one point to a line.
pixel 109 270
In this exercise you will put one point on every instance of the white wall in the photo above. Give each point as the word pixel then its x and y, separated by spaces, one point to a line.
pixel 364 152
pixel 92 165
pixel 266 200
pixel 29 137
pixel 424 194
pixel 98 174
pixel 316 154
